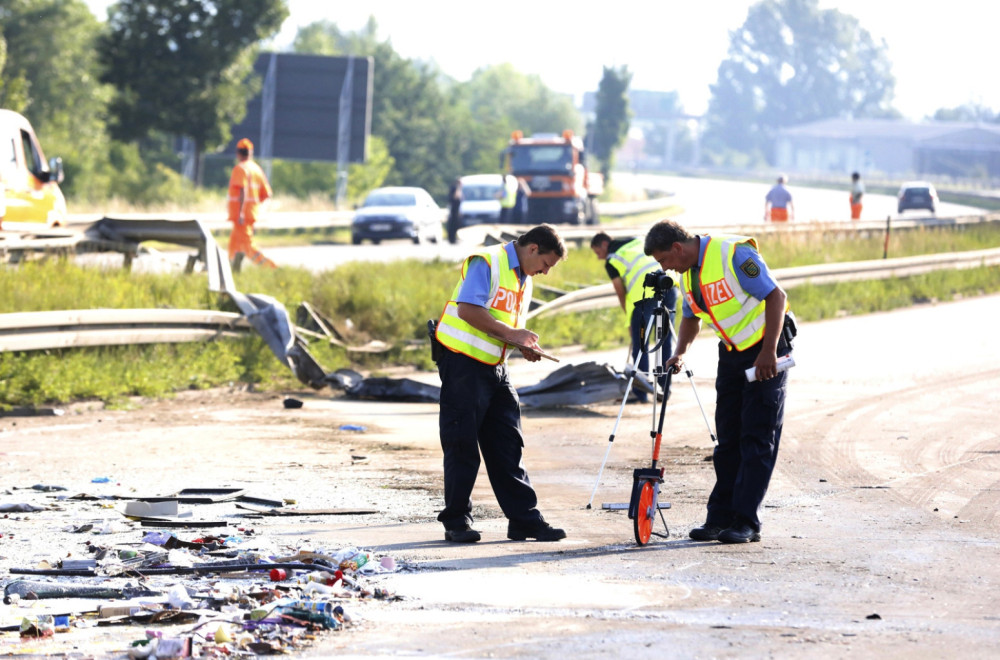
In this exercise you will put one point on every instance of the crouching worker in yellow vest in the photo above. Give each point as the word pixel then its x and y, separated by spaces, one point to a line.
pixel 480 410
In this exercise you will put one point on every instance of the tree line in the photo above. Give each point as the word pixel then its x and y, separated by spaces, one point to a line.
pixel 113 97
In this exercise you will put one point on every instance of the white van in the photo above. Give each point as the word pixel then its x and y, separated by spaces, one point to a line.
pixel 29 185
pixel 480 201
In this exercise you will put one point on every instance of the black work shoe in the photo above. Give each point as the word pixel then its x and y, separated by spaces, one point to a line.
pixel 540 531
pixel 705 533
pixel 739 534
pixel 461 535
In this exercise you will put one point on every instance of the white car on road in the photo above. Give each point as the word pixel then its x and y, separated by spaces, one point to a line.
pixel 480 199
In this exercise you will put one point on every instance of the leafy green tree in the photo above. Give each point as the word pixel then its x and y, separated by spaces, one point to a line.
pixel 502 96
pixel 51 75
pixel 13 89
pixel 790 63
pixel 305 179
pixel 183 67
pixel 611 116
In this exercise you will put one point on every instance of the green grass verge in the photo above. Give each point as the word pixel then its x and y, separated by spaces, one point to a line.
pixel 392 304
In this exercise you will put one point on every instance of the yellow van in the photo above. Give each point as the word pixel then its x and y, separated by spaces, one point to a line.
pixel 29 186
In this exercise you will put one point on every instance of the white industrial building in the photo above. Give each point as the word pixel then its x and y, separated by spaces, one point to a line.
pixel 891 147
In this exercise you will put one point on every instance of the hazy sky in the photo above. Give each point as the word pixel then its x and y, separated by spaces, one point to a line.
pixel 942 53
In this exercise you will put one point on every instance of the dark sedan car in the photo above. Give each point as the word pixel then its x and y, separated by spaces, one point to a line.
pixel 917 195
pixel 399 212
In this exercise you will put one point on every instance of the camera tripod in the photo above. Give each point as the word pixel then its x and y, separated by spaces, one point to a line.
pixel 644 503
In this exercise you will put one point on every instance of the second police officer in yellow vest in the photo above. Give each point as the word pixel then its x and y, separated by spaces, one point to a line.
pixel 726 283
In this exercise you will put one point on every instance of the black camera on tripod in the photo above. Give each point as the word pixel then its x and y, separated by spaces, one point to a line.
pixel 659 282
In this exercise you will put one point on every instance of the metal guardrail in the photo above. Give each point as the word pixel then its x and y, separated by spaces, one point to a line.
pixel 603 296
pixel 32 331
pixel 76 328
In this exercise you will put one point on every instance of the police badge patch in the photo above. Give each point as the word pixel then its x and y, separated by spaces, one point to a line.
pixel 751 268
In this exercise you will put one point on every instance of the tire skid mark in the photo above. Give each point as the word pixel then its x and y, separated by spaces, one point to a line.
pixel 911 443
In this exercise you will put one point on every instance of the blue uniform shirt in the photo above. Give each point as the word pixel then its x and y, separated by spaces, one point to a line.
pixel 476 287
pixel 778 196
pixel 757 286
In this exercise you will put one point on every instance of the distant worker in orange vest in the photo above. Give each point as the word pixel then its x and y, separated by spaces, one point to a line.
pixel 778 205
pixel 857 192
pixel 248 189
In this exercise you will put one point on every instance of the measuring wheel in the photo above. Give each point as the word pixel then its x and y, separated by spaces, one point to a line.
pixel 645 512
pixel 645 504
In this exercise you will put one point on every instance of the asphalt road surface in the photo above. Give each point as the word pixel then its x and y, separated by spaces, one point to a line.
pixel 881 527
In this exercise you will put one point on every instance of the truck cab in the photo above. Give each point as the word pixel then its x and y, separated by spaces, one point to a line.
pixel 563 189
pixel 29 185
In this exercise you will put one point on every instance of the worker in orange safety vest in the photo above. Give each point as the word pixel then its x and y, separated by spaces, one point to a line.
pixel 248 189
pixel 857 192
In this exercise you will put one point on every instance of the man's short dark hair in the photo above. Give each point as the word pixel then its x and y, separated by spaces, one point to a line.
pixel 546 238
pixel 600 238
pixel 664 234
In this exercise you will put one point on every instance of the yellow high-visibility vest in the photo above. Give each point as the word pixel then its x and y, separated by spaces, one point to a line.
pixel 508 304
pixel 632 265
pixel 735 315
pixel 510 186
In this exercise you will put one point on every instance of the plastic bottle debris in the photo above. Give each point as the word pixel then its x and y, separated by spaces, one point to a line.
pixel 355 562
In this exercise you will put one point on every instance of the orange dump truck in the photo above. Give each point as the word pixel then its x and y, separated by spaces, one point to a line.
pixel 563 189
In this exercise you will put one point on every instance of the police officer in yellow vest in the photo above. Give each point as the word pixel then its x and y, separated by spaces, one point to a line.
pixel 627 266
pixel 480 411
pixel 508 197
pixel 726 283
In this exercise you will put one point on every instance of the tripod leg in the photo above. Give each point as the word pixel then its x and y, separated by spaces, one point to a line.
pixel 690 375
pixel 633 358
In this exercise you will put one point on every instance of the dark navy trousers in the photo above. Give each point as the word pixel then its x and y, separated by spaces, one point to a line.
pixel 480 412
pixel 748 421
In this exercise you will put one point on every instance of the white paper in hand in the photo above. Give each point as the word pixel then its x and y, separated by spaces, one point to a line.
pixel 785 363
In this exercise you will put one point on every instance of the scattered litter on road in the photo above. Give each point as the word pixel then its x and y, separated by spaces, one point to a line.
pixel 187 593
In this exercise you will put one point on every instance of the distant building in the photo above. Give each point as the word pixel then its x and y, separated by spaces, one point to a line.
pixel 893 147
